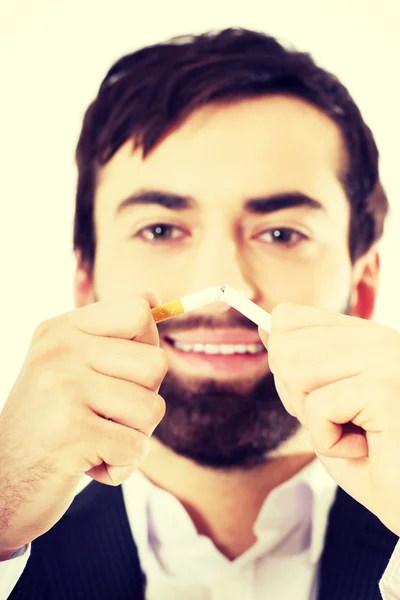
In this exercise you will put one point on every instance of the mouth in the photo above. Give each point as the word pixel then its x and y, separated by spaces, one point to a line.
pixel 217 354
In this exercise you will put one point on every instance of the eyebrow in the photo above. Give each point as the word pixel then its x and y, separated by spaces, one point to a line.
pixel 275 202
pixel 260 206
pixel 159 198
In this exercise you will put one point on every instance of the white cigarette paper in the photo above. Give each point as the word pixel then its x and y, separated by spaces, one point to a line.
pixel 202 298
pixel 248 308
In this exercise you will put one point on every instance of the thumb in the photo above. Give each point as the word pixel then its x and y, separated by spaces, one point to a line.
pixel 151 298
pixel 111 475
pixel 119 474
pixel 264 336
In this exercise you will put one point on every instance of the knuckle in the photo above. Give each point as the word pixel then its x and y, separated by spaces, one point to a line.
pixel 50 340
pixel 160 362
pixel 46 354
pixel 156 368
pixel 48 379
pixel 136 446
pixel 43 330
pixel 157 408
pixel 47 364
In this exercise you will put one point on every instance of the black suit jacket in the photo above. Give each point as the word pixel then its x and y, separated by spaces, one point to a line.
pixel 90 553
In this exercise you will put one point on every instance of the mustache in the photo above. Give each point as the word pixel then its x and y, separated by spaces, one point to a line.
pixel 230 320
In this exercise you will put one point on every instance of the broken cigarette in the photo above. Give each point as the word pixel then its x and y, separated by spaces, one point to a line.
pixel 225 294
pixel 186 304
pixel 248 308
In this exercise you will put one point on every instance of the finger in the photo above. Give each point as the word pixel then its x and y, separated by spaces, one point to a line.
pixel 315 357
pixel 128 360
pixel 129 320
pixel 152 299
pixel 115 445
pixel 333 418
pixel 290 317
pixel 128 404
pixel 334 441
pixel 368 401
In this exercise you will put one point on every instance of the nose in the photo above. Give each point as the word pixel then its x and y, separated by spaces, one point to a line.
pixel 218 262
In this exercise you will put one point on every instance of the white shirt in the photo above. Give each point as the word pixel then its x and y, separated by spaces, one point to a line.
pixel 181 564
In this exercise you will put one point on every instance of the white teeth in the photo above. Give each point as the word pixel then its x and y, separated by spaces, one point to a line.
pixel 220 348
pixel 211 349
pixel 227 349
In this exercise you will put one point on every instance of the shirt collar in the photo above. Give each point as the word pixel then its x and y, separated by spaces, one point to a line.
pixel 306 497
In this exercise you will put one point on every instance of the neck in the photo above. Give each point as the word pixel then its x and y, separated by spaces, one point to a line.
pixel 223 505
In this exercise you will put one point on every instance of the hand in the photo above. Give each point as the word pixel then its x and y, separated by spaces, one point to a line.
pixel 86 401
pixel 340 376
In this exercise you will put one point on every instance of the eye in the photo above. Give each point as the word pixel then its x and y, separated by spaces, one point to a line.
pixel 160 232
pixel 282 236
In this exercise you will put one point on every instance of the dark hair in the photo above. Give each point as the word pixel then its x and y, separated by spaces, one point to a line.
pixel 149 92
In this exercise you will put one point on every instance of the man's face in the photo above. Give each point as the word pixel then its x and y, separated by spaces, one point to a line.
pixel 247 194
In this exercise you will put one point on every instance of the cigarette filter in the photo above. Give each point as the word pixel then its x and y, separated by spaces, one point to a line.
pixel 186 304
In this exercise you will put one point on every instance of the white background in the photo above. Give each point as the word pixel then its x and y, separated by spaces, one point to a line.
pixel 53 55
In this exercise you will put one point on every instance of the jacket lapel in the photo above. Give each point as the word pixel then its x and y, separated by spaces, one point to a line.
pixel 356 552
pixel 90 553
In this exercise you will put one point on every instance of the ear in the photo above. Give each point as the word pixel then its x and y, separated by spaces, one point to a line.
pixel 365 285
pixel 83 282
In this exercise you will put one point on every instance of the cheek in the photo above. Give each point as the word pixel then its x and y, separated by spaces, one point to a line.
pixel 120 272
pixel 323 283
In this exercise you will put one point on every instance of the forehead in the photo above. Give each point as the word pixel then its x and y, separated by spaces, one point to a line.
pixel 229 152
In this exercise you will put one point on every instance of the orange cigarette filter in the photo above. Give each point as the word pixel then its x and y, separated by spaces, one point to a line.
pixel 167 311
pixel 186 304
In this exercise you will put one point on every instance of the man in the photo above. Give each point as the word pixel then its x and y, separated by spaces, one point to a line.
pixel 214 159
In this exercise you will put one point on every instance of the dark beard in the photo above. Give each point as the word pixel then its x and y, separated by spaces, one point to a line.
pixel 220 427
